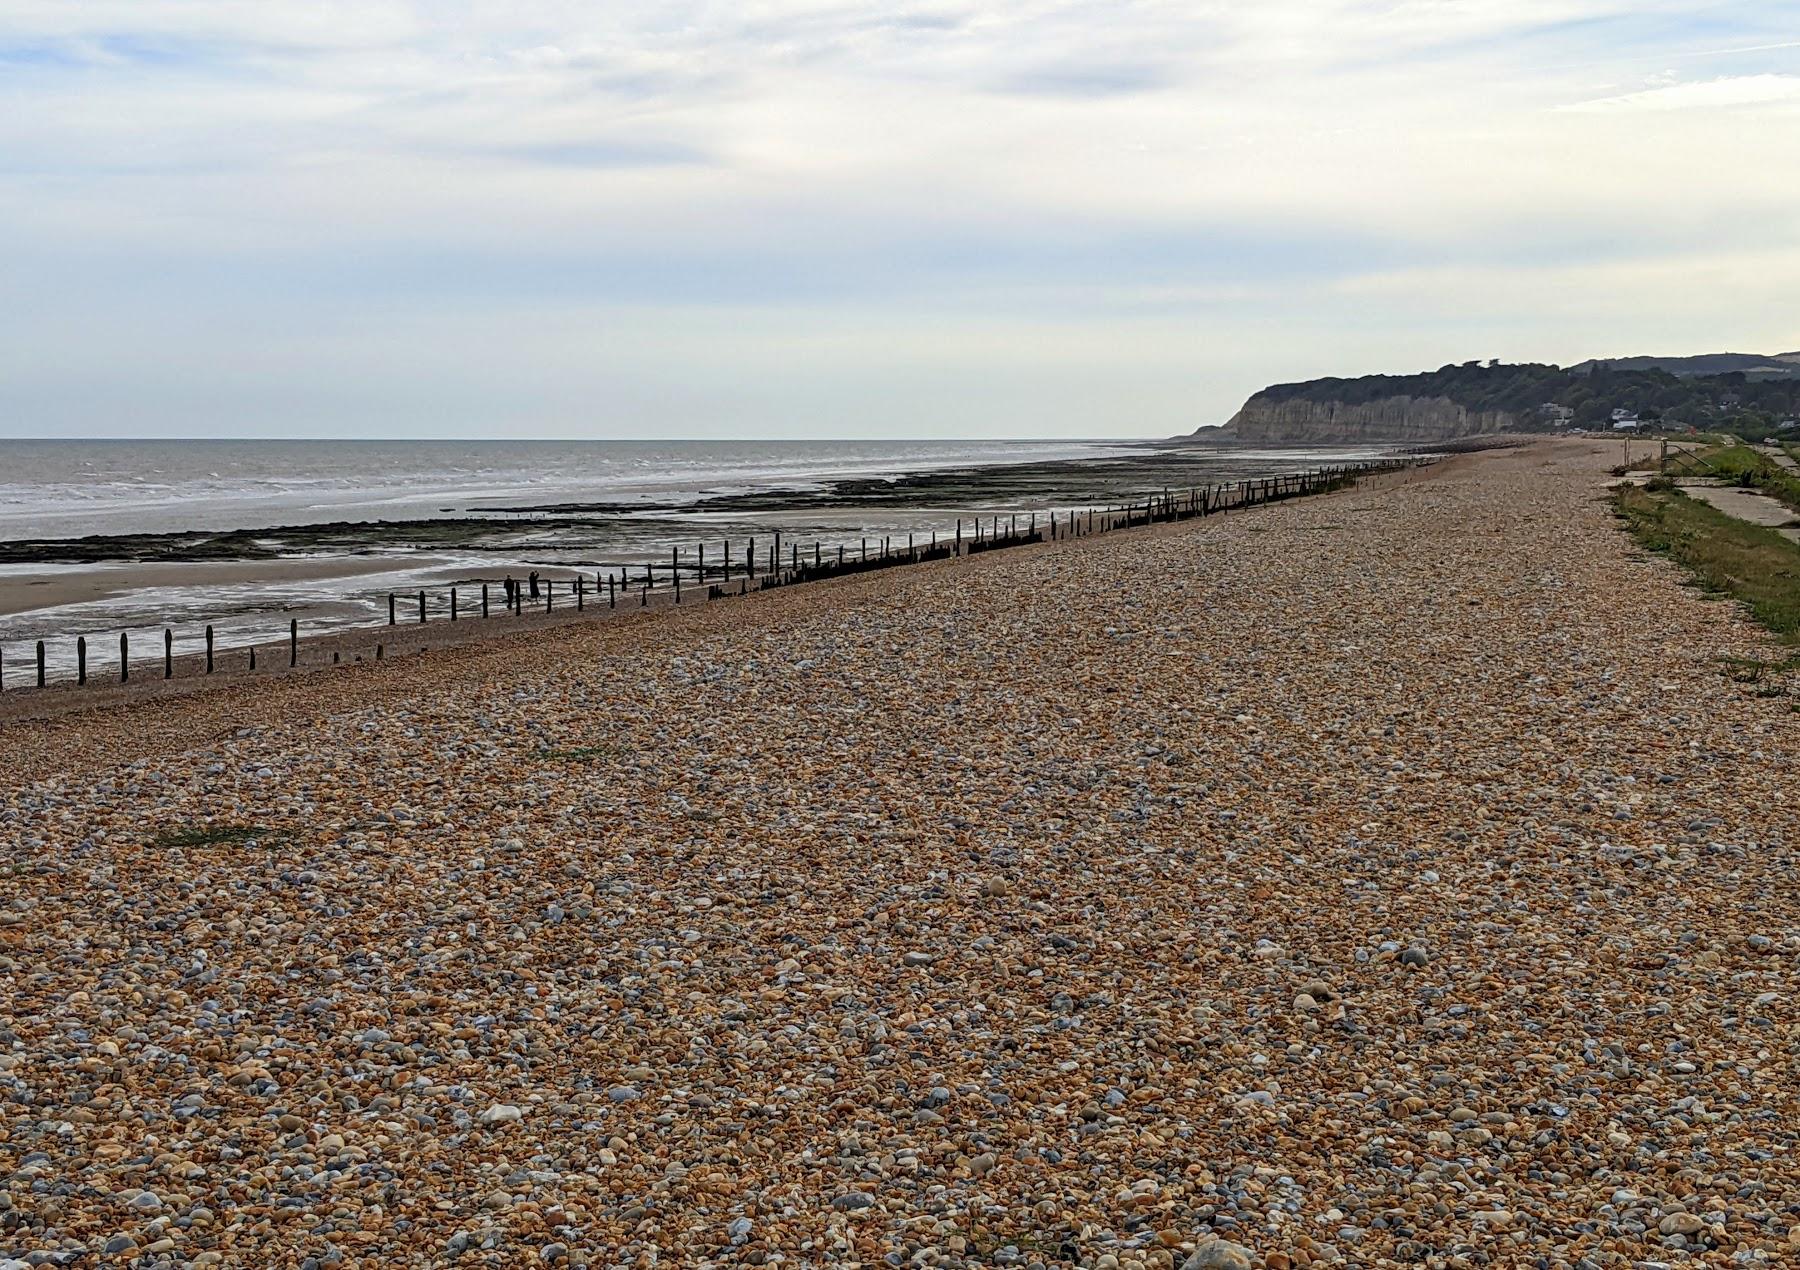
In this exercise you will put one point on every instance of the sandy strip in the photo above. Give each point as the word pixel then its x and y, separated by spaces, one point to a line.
pixel 51 586
pixel 1391 878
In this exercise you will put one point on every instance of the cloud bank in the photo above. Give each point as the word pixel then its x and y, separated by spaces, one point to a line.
pixel 783 218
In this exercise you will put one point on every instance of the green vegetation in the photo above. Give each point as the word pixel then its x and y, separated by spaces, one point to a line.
pixel 1750 469
pixel 1727 556
pixel 580 754
pixel 218 836
pixel 1744 406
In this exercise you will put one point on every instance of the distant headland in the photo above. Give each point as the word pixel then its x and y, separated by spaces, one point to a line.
pixel 1749 394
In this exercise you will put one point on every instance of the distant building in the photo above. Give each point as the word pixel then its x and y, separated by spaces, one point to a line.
pixel 1558 416
pixel 1730 401
pixel 1624 421
pixel 1787 425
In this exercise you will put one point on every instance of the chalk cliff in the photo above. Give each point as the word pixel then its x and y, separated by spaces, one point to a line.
pixel 1266 419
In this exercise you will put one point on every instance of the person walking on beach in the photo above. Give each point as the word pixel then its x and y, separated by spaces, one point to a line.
pixel 511 588
pixel 534 580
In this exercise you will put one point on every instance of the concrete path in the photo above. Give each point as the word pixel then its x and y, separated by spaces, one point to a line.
pixel 1758 509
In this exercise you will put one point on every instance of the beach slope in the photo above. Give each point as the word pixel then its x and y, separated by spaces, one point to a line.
pixel 1396 876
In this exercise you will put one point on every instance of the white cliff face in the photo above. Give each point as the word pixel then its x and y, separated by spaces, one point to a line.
pixel 1269 421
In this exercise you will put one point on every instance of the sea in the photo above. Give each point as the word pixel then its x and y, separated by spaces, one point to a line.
pixel 111 489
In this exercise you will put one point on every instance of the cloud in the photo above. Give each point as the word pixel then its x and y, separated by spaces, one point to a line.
pixel 1713 94
pixel 703 194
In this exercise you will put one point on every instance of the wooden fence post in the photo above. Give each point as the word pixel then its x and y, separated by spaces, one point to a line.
pixel 484 600
pixel 168 653
pixel 421 608
pixel 390 608
pixel 124 658
pixel 293 642
pixel 40 659
pixel 81 659
pixel 452 604
pixel 209 650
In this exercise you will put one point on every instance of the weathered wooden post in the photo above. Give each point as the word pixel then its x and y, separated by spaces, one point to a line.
pixel 293 642
pixel 421 608
pixel 168 653
pixel 124 658
pixel 549 594
pixel 40 659
pixel 750 559
pixel 612 593
pixel 209 650
pixel 81 659
pixel 253 657
pixel 580 593
pixel 840 557
pixel 452 604
pixel 484 600
pixel 725 565
pixel 390 608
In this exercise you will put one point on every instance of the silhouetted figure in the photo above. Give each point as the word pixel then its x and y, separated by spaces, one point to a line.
pixel 534 582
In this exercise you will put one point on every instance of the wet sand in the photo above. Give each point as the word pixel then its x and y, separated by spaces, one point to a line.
pixel 24 592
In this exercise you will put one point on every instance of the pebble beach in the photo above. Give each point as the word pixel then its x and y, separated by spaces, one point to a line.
pixel 1402 876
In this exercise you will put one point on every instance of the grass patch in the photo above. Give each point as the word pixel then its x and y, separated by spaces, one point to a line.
pixel 218 836
pixel 1726 555
pixel 580 754
pixel 1752 469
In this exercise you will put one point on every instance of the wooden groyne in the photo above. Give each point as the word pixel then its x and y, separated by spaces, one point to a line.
pixel 734 568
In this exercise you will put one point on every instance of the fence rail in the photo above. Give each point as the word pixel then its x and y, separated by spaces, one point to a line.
pixel 773 563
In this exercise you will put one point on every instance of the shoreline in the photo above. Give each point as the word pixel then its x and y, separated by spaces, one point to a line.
pixel 965 490
pixel 338 648
pixel 250 584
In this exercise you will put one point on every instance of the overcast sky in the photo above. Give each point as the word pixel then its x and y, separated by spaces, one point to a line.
pixel 790 218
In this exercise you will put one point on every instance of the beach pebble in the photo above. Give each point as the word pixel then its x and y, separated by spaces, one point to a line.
pixel 618 945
